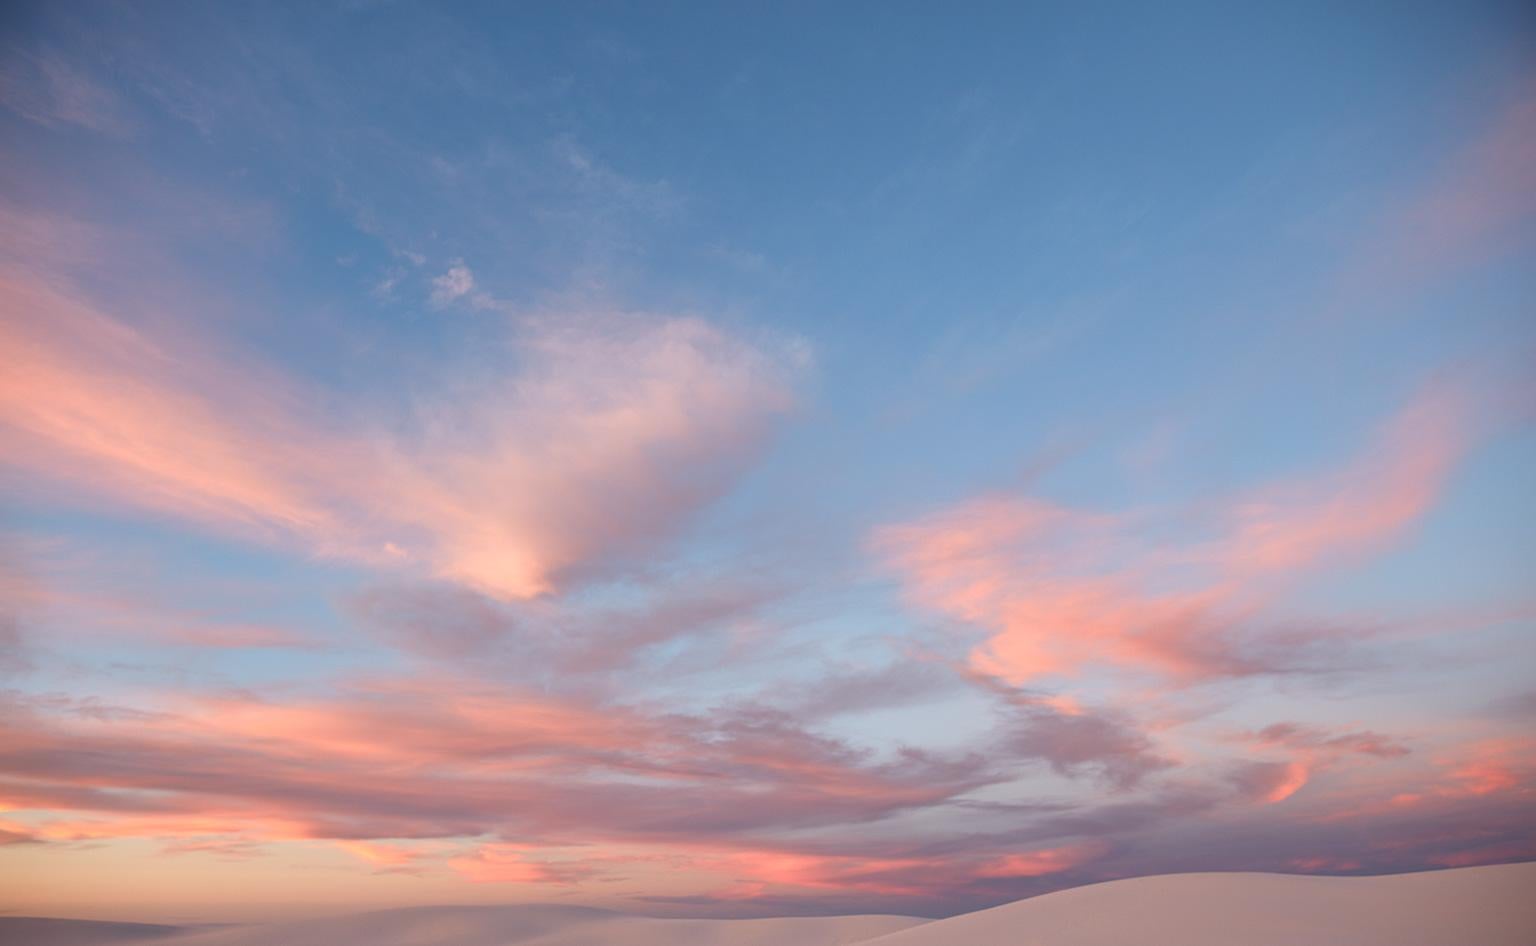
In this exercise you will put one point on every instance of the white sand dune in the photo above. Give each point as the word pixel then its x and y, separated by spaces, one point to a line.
pixel 39 931
pixel 491 926
pixel 1471 906
pixel 1474 906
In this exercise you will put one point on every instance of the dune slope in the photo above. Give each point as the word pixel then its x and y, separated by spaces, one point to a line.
pixel 1471 906
pixel 533 925
pixel 40 931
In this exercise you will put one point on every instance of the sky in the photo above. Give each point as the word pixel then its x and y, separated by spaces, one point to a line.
pixel 749 459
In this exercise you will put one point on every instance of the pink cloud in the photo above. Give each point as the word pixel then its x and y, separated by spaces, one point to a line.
pixel 1485 767
pixel 576 456
pixel 1274 782
pixel 1072 739
pixel 1365 505
pixel 1308 752
pixel 1040 863
pixel 1485 192
pixel 101 593
pixel 1496 853
pixel 459 760
pixel 765 872
pixel 500 786
pixel 1313 740
pixel 1057 589
pixel 89 399
pixel 511 484
pixel 759 871
pixel 510 864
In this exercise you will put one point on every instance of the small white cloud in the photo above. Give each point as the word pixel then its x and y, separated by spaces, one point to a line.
pixel 452 285
pixel 385 288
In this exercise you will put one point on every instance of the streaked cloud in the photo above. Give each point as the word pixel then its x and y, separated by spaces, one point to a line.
pixel 1058 590
pixel 526 477
pixel 1471 210
pixel 45 87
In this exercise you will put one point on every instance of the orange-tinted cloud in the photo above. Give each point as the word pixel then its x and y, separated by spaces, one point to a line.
pixel 378 853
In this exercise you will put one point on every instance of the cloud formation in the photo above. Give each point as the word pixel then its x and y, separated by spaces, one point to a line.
pixel 460 762
pixel 508 785
pixel 547 670
pixel 557 467
pixel 1058 590
pixel 46 88
pixel 1471 210
pixel 452 285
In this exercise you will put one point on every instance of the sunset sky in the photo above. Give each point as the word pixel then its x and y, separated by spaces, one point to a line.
pixel 736 458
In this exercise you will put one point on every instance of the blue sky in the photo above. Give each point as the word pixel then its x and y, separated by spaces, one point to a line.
pixel 926 423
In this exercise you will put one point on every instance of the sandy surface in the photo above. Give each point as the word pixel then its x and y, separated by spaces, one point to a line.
pixel 478 926
pixel 35 931
pixel 1475 906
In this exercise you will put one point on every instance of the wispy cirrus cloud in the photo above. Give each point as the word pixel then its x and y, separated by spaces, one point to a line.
pixel 581 448
pixel 1312 739
pixel 45 87
pixel 1484 194
pixel 561 462
pixel 102 596
pixel 1057 590
pixel 502 863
